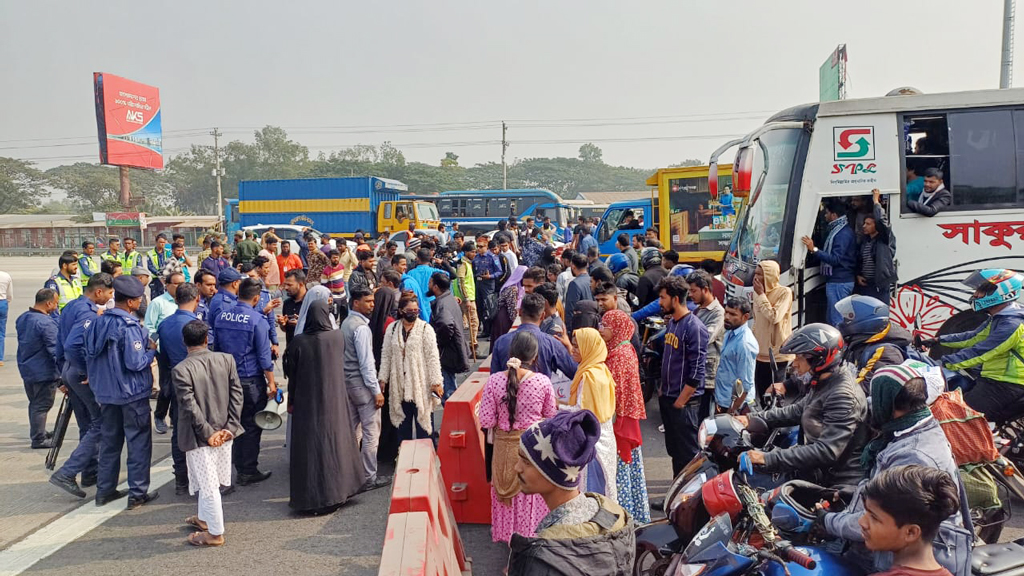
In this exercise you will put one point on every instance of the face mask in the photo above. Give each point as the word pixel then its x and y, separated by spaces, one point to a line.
pixel 805 378
pixel 410 315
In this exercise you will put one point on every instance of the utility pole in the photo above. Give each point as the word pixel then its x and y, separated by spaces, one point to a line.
pixel 504 147
pixel 218 172
pixel 1006 62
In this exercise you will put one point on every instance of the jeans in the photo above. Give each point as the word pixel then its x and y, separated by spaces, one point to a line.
pixel 998 401
pixel 40 400
pixel 834 292
pixel 127 422
pixel 84 459
pixel 680 431
pixel 450 385
pixel 880 294
pixel 366 417
pixel 245 452
pixel 3 327
pixel 410 429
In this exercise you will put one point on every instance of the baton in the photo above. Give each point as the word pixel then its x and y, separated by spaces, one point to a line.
pixel 60 428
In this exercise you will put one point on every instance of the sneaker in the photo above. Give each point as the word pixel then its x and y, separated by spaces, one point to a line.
pixel 136 501
pixel 44 445
pixel 225 490
pixel 247 479
pixel 160 424
pixel 67 484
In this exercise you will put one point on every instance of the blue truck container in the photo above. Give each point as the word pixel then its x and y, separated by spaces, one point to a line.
pixel 331 205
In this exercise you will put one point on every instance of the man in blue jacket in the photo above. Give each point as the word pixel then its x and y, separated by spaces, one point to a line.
pixel 74 321
pixel 119 354
pixel 838 257
pixel 226 297
pixel 242 331
pixel 37 362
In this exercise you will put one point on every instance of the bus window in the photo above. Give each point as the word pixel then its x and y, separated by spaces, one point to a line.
pixel 760 236
pixel 477 208
pixel 982 154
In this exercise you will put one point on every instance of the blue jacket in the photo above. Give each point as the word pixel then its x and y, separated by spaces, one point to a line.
pixel 421 276
pixel 37 347
pixel 74 313
pixel 271 316
pixel 243 332
pixel 551 354
pixel 118 358
pixel 410 283
pixel 220 301
pixel 74 342
pixel 172 342
pixel 842 258
pixel 586 242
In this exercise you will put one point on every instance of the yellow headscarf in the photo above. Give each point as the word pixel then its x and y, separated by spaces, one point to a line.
pixel 593 375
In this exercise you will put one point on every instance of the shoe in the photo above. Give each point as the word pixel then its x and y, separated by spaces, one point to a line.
pixel 44 445
pixel 160 424
pixel 657 504
pixel 225 490
pixel 247 479
pixel 378 482
pixel 104 499
pixel 88 481
pixel 180 486
pixel 67 484
pixel 136 501
pixel 661 428
pixel 49 435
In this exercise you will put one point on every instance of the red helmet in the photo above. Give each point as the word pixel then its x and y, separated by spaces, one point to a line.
pixel 720 496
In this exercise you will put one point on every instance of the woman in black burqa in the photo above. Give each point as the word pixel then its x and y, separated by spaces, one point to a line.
pixel 324 461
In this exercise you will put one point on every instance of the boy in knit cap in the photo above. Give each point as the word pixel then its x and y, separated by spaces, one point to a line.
pixel 584 533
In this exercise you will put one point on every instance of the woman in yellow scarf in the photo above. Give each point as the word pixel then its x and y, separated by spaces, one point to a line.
pixel 593 389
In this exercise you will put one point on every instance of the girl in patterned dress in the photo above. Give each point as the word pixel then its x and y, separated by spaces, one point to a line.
pixel 512 401
pixel 616 329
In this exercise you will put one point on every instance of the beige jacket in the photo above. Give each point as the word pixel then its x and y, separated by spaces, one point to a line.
pixel 411 367
pixel 772 314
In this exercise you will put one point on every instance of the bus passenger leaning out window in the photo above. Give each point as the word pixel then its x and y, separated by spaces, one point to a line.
pixel 935 197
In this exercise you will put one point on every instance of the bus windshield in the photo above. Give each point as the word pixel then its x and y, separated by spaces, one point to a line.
pixel 426 211
pixel 760 235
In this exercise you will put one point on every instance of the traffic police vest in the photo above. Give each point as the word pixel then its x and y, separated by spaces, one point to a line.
pixel 67 291
pixel 89 265
pixel 129 261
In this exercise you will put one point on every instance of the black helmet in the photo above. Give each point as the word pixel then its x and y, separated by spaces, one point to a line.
pixel 821 344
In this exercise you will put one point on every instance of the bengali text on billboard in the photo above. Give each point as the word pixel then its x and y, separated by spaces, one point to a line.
pixel 128 121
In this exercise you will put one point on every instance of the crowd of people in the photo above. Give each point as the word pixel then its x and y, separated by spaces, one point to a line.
pixel 375 340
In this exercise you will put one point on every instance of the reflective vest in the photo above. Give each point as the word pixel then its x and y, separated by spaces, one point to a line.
pixel 108 256
pixel 89 265
pixel 129 261
pixel 67 291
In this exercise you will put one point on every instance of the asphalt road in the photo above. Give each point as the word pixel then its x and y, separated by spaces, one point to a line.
pixel 262 533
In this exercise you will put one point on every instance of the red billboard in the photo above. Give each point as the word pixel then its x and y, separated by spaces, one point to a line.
pixel 128 121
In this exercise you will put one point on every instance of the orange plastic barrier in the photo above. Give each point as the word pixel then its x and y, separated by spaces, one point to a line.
pixel 418 487
pixel 414 547
pixel 461 451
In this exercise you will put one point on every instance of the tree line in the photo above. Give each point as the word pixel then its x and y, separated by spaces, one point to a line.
pixel 187 186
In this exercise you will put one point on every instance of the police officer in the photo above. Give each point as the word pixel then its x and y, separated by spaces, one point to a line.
pixel 37 362
pixel 76 318
pixel 267 305
pixel 66 283
pixel 130 258
pixel 156 259
pixel 118 354
pixel 207 283
pixel 242 331
pixel 226 297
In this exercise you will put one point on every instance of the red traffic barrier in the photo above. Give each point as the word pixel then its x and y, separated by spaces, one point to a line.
pixel 419 487
pixel 414 547
pixel 461 451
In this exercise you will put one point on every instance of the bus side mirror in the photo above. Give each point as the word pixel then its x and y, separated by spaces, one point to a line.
pixel 741 172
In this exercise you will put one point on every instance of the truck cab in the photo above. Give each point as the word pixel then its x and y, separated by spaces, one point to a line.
pixel 613 223
pixel 395 216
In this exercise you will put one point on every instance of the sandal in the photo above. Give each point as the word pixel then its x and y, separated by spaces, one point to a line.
pixel 203 539
pixel 195 522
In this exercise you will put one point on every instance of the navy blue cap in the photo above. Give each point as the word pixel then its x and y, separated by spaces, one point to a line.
pixel 228 275
pixel 128 287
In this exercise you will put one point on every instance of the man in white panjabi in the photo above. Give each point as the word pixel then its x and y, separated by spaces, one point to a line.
pixel 209 418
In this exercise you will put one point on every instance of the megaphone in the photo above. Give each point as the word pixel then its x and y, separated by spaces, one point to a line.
pixel 271 417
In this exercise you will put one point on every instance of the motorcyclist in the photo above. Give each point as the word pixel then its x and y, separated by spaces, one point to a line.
pixel 625 278
pixel 654 307
pixel 997 346
pixel 908 434
pixel 832 414
pixel 872 340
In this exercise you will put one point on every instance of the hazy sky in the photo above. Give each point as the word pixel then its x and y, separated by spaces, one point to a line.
pixel 664 72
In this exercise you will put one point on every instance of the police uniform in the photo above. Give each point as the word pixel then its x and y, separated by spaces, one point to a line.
pixel 155 261
pixel 88 265
pixel 242 331
pixel 67 290
pixel 271 316
pixel 172 351
pixel 222 300
pixel 118 360
pixel 130 260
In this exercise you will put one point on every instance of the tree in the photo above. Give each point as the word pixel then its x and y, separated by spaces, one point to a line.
pixel 687 163
pixel 97 188
pixel 450 160
pixel 22 187
pixel 190 175
pixel 591 153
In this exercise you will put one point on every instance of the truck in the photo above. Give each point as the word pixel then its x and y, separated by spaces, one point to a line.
pixel 689 218
pixel 336 206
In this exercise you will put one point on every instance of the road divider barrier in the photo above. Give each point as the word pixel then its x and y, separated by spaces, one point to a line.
pixel 461 451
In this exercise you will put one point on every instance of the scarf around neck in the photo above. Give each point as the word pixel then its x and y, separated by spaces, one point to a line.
pixel 834 228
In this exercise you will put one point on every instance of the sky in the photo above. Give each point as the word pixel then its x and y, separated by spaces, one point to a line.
pixel 650 82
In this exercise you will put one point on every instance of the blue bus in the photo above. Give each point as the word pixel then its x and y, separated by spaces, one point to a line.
pixel 478 211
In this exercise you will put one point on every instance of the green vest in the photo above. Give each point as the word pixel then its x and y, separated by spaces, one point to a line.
pixel 67 291
pixel 469 281
pixel 129 261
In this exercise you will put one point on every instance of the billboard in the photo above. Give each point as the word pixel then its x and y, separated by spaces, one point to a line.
pixel 832 76
pixel 128 122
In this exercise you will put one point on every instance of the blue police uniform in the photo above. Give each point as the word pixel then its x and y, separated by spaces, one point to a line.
pixel 271 317
pixel 80 314
pixel 172 351
pixel 37 363
pixel 118 360
pixel 243 332
pixel 222 300
pixel 203 310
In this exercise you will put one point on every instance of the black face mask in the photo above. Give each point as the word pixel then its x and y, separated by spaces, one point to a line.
pixel 410 315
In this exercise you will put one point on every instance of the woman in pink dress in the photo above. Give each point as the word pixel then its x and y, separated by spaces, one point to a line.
pixel 513 401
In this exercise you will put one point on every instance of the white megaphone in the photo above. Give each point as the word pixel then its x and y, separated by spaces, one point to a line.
pixel 271 417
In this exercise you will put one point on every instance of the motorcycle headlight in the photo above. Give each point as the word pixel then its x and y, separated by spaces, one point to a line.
pixel 706 432
pixel 683 569
pixel 689 490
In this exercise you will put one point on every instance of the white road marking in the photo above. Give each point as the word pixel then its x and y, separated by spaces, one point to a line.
pixel 71 526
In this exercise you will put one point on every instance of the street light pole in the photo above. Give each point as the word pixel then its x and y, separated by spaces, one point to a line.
pixel 1006 62
pixel 218 172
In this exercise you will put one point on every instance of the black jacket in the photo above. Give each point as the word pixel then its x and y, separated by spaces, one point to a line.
pixel 833 428
pixel 646 288
pixel 360 278
pixel 446 319
pixel 942 199
pixel 884 253
pixel 866 357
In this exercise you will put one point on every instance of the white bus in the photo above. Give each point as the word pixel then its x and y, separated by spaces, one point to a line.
pixel 847 148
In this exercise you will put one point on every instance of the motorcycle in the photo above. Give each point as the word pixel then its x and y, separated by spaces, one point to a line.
pixel 652 348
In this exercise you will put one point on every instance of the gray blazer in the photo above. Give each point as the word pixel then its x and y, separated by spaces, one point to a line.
pixel 209 397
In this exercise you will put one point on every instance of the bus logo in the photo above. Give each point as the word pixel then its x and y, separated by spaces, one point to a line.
pixel 853 142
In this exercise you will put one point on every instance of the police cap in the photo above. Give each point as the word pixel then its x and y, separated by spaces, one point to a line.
pixel 228 275
pixel 128 287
